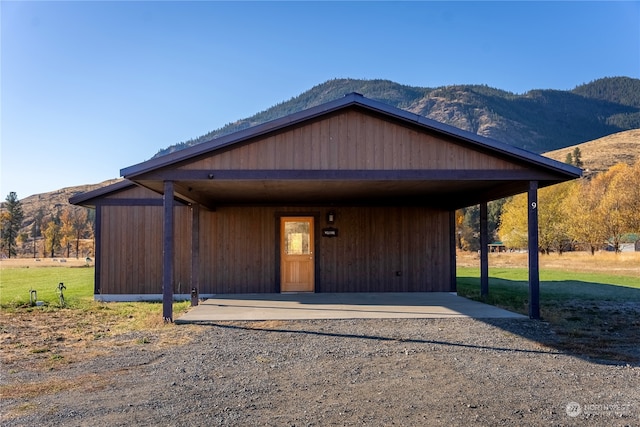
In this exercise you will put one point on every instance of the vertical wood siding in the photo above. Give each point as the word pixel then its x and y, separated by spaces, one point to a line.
pixel 238 250
pixel 351 140
pixel 387 250
pixel 131 250
pixel 135 192
pixel 379 249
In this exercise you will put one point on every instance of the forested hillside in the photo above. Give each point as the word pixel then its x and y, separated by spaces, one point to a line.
pixel 540 120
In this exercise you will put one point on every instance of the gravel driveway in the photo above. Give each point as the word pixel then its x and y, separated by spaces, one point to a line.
pixel 379 372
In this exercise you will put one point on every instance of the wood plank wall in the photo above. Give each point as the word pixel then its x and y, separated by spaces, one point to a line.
pixel 378 250
pixel 131 250
pixel 387 250
pixel 237 250
pixel 351 140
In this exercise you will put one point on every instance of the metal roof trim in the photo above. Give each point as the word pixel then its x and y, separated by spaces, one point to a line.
pixel 78 199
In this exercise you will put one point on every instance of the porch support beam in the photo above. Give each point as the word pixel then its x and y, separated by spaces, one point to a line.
pixel 534 265
pixel 97 251
pixel 195 249
pixel 167 253
pixel 484 249
pixel 453 284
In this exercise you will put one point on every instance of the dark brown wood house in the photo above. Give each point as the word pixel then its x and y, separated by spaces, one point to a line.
pixel 349 196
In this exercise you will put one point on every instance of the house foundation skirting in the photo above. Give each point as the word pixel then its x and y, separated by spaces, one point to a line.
pixel 144 297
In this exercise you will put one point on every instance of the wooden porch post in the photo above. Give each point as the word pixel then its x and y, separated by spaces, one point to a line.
pixel 195 251
pixel 534 266
pixel 453 286
pixel 167 253
pixel 97 250
pixel 484 248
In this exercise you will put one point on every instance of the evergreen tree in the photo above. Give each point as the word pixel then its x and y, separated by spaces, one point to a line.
pixel 569 159
pixel 577 158
pixel 11 222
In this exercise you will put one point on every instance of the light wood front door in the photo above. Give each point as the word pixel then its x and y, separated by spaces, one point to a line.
pixel 296 254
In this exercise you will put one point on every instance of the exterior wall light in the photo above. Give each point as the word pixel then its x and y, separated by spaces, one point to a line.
pixel 331 217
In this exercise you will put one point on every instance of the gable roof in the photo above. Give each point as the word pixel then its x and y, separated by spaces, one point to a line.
pixel 451 188
pixel 350 100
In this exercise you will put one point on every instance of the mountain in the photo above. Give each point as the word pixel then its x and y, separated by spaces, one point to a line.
pixel 539 120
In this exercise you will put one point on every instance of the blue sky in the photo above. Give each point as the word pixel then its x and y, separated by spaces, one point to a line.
pixel 88 88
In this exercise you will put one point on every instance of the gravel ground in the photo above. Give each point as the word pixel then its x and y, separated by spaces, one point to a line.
pixel 383 372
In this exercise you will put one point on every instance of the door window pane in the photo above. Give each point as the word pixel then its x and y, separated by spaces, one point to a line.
pixel 296 239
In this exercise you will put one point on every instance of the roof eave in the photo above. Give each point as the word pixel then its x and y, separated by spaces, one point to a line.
pixel 83 199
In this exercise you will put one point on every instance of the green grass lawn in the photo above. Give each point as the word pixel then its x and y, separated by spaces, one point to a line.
pixel 15 284
pixel 509 288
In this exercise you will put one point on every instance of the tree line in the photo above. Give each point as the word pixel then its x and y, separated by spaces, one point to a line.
pixel 590 213
pixel 58 234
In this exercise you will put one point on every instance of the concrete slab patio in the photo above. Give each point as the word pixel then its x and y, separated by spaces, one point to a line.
pixel 299 306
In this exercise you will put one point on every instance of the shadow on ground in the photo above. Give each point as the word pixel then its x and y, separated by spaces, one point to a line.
pixel 515 326
pixel 591 320
pixel 596 322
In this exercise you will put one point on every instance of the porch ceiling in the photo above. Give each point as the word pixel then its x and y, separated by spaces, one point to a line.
pixel 438 194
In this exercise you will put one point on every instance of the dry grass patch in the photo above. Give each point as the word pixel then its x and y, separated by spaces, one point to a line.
pixel 21 391
pixel 624 264
pixel 43 262
pixel 601 154
pixel 89 382
pixel 265 324
pixel 44 339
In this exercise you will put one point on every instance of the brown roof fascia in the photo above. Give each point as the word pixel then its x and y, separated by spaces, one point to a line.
pixel 86 199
